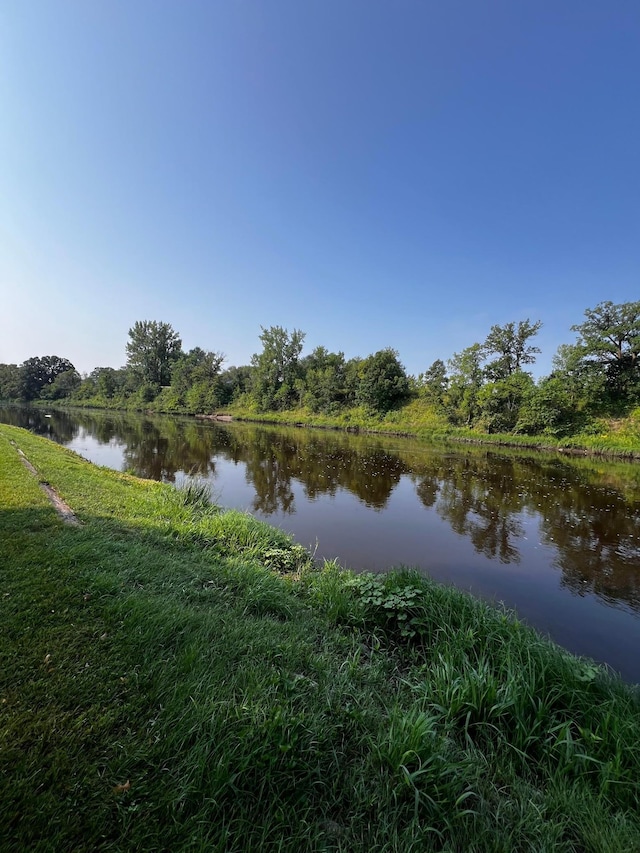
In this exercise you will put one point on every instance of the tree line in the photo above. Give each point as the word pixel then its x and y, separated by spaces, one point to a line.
pixel 485 386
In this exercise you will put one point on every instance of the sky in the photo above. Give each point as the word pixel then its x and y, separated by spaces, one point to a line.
pixel 376 173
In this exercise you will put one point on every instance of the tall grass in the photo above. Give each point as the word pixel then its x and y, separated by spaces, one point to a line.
pixel 193 492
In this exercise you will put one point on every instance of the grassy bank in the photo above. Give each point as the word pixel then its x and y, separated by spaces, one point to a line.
pixel 606 436
pixel 611 437
pixel 175 677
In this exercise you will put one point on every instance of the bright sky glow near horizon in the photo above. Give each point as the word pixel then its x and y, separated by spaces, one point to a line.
pixel 377 173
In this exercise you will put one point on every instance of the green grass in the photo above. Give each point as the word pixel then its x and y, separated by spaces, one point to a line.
pixel 177 677
pixel 605 437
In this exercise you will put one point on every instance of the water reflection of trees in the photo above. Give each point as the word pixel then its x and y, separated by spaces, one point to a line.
pixel 477 499
pixel 593 526
pixel 597 536
pixel 153 448
pixel 274 460
pixel 57 425
pixel 159 451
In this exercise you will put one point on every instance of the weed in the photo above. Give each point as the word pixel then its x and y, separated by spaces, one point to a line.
pixel 193 492
pixel 390 600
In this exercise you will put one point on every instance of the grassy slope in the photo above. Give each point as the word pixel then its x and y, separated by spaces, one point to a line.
pixel 162 688
pixel 614 437
pixel 606 436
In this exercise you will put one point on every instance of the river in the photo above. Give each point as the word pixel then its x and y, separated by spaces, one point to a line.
pixel 555 538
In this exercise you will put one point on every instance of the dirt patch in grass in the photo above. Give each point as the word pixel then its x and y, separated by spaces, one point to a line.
pixel 61 507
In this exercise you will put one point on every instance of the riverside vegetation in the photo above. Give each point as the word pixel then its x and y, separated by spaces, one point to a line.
pixel 591 400
pixel 178 677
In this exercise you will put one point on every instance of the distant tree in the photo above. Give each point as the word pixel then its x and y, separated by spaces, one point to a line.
pixel 584 380
pixel 39 372
pixel 277 368
pixel 195 382
pixel 384 382
pixel 196 366
pixel 152 349
pixel 234 381
pixel 548 408
pixel 107 381
pixel 10 382
pixel 324 382
pixel 465 381
pixel 62 386
pixel 499 403
pixel 610 337
pixel 353 371
pixel 611 333
pixel 85 390
pixel 510 344
pixel 433 383
pixel 568 360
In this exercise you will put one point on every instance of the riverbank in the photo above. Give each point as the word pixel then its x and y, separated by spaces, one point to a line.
pixel 176 677
pixel 608 437
pixel 619 438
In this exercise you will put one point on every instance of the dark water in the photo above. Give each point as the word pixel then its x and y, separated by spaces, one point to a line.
pixel 556 538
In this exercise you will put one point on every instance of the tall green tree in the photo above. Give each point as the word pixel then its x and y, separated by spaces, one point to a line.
pixel 196 367
pixel 151 350
pixel 583 380
pixel 234 382
pixel 10 382
pixel 39 372
pixel 63 386
pixel 324 380
pixel 465 381
pixel 499 403
pixel 383 381
pixel 107 381
pixel 510 344
pixel 195 381
pixel 610 338
pixel 277 368
pixel 353 374
pixel 611 333
pixel 548 408
pixel 433 383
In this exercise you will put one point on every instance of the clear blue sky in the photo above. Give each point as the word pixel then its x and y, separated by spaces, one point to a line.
pixel 401 173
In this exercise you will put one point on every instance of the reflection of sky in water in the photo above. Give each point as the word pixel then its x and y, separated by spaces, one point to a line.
pixel 110 455
pixel 526 534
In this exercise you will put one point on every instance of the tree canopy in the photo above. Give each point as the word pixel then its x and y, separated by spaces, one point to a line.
pixel 325 380
pixel 152 349
pixel 485 386
pixel 611 333
pixel 10 382
pixel 39 372
pixel 509 344
pixel 610 338
pixel 383 381
pixel 276 368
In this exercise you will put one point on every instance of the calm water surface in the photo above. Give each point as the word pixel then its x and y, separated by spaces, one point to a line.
pixel 556 538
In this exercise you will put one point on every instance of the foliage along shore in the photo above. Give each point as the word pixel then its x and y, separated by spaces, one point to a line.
pixel 178 677
pixel 590 401
pixel 609 437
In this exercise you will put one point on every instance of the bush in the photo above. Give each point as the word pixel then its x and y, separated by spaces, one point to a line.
pixel 384 382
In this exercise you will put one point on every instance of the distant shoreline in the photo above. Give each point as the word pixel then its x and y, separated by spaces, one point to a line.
pixel 605 445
